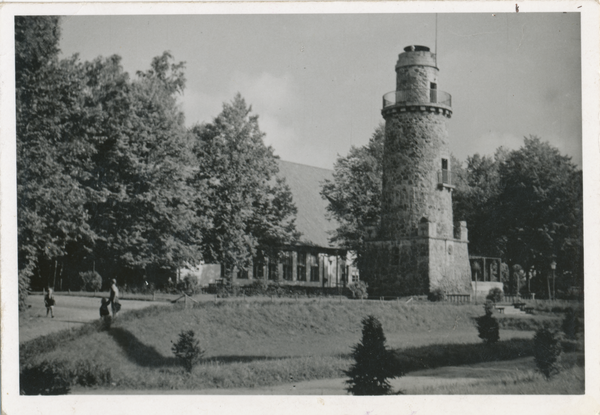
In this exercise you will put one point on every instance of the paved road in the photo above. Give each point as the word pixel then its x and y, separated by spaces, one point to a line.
pixel 69 312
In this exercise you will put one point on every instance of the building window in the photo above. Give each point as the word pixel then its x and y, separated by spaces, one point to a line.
pixel 273 265
pixel 242 274
pixel 258 267
pixel 314 267
pixel 355 277
pixel 301 268
pixel 288 265
pixel 395 256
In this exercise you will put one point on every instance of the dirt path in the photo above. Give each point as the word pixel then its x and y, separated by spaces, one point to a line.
pixel 336 386
pixel 410 384
pixel 69 312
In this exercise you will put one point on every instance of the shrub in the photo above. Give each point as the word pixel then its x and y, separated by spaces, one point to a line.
pixel 45 378
pixel 359 289
pixel 436 295
pixel 546 351
pixel 495 294
pixel 571 324
pixel 187 349
pixel 487 325
pixel 90 281
pixel 191 284
pixel 374 363
pixel 86 373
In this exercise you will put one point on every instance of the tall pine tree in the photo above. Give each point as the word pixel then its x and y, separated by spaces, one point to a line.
pixel 373 362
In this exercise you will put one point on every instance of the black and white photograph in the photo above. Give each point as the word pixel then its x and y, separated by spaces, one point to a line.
pixel 337 208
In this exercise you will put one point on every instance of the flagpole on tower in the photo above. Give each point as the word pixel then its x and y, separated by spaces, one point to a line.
pixel 436 37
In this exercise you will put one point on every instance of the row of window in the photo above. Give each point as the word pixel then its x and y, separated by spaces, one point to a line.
pixel 258 268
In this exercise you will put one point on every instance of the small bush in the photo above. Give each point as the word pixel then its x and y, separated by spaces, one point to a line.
pixel 436 295
pixel 92 280
pixel 571 324
pixel 192 285
pixel 547 350
pixel 45 378
pixel 187 349
pixel 359 289
pixel 487 325
pixel 495 295
pixel 374 363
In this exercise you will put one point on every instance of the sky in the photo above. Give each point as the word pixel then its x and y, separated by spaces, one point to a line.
pixel 316 81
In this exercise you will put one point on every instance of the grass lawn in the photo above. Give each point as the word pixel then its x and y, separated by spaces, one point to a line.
pixel 254 343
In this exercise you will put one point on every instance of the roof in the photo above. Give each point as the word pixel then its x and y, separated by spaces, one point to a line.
pixel 312 221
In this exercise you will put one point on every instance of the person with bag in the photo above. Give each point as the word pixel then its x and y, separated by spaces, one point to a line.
pixel 49 303
pixel 114 299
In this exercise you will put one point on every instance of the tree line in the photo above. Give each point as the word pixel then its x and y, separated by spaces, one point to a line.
pixel 524 206
pixel 110 179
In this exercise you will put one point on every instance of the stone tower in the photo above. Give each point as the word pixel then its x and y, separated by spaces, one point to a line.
pixel 417 247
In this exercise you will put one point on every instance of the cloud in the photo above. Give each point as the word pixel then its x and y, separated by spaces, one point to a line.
pixel 273 98
pixel 486 144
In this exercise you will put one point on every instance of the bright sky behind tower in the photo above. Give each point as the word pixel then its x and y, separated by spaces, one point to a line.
pixel 316 80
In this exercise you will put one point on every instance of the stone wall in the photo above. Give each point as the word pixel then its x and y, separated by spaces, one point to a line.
pixel 449 267
pixel 418 78
pixel 415 143
pixel 416 266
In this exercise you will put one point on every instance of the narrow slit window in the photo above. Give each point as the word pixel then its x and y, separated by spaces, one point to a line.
pixel 445 172
pixel 433 92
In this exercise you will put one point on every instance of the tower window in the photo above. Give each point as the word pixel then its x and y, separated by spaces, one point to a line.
pixel 433 92
pixel 444 176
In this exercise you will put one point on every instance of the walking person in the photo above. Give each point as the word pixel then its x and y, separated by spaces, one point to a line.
pixel 114 299
pixel 49 303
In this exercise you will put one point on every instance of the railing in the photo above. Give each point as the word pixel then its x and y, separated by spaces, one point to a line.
pixel 445 178
pixel 510 298
pixel 417 96
pixel 458 298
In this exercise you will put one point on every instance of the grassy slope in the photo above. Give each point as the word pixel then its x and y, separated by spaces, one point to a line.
pixel 254 343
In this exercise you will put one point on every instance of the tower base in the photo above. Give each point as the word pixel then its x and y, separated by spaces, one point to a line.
pixel 416 266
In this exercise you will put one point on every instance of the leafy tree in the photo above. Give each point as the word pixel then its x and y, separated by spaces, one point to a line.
pixel 354 194
pixel 237 189
pixel 103 162
pixel 474 198
pixel 525 206
pixel 50 200
pixel 539 207
pixel 141 167
pixel 373 362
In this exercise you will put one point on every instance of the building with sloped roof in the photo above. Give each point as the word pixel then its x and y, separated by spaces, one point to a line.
pixel 313 261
